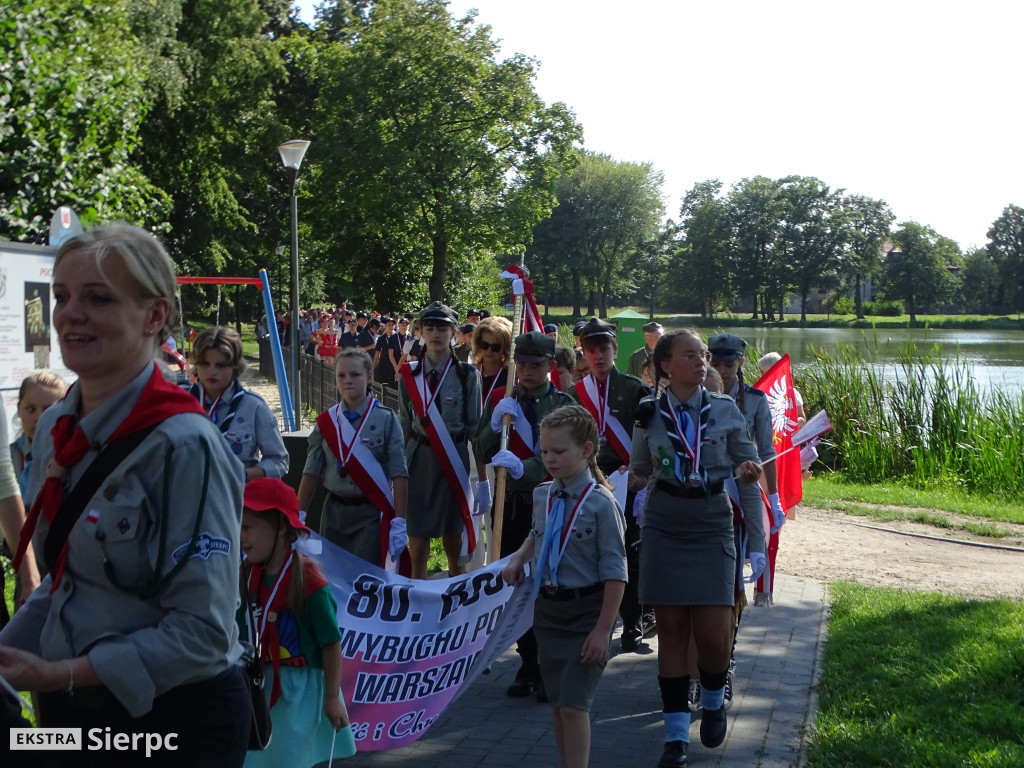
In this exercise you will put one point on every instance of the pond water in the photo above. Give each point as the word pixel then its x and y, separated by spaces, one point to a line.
pixel 996 358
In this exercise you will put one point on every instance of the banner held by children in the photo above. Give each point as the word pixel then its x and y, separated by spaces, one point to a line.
pixel 410 647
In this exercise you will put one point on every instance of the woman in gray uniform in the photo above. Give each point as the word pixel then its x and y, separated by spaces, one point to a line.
pixel 242 416
pixel 137 515
pixel 685 444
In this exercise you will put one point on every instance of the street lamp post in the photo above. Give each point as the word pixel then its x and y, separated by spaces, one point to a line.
pixel 292 153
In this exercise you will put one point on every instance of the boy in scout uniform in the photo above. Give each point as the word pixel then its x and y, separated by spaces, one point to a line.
pixel 612 398
pixel 652 332
pixel 533 398
pixel 438 384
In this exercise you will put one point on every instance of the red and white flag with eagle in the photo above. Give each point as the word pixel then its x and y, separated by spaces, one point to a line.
pixel 777 384
pixel 522 286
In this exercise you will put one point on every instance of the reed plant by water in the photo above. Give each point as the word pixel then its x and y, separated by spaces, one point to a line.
pixel 927 423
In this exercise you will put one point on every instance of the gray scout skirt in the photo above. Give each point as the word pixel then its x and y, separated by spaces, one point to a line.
pixel 433 510
pixel 687 551
pixel 353 527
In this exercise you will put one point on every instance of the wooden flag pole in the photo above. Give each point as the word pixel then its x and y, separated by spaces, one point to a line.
pixel 500 473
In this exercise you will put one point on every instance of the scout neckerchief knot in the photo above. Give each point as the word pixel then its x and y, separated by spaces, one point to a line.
pixel 210 408
pixel 158 401
pixel 556 533
pixel 687 438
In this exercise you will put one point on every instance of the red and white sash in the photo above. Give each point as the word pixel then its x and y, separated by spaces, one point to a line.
pixel 424 406
pixel 361 464
pixel 596 401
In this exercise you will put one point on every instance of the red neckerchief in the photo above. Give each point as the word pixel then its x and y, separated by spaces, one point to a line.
pixel 158 401
pixel 270 642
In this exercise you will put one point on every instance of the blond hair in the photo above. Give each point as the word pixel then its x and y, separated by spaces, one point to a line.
pixel 582 429
pixel 141 256
pixel 501 329
pixel 43 380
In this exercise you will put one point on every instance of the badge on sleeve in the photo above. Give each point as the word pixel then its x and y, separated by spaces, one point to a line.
pixel 206 546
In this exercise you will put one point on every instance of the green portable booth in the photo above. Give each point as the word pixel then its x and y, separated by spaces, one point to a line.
pixel 630 331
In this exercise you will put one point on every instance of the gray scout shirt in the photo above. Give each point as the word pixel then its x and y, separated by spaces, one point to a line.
pixel 142 647
pixel 759 419
pixel 726 445
pixel 458 400
pixel 381 433
pixel 252 433
pixel 596 549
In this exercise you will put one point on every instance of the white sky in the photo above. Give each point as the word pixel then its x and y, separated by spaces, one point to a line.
pixel 916 103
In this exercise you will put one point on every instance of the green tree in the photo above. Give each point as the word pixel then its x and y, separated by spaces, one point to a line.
pixel 868 229
pixel 983 285
pixel 71 104
pixel 1006 246
pixel 431 151
pixel 813 235
pixel 210 139
pixel 917 270
pixel 650 261
pixel 705 250
pixel 755 211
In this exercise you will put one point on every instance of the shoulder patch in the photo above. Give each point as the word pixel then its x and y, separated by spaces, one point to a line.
pixel 645 410
pixel 754 391
pixel 719 396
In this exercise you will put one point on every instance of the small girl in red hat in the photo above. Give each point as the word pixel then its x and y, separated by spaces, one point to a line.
pixel 296 619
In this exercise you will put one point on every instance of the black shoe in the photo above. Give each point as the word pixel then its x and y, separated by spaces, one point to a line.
pixel 542 692
pixel 648 624
pixel 525 682
pixel 629 643
pixel 713 727
pixel 674 755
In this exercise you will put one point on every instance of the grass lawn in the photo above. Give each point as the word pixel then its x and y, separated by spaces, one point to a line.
pixel 830 492
pixel 919 679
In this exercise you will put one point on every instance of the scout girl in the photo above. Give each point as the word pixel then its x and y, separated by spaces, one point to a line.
pixel 356 451
pixel 578 561
pixel 297 624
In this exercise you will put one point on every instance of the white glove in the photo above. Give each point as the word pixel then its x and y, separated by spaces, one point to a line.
pixel 756 566
pixel 518 287
pixel 778 515
pixel 638 506
pixel 507 405
pixel 482 499
pixel 398 539
pixel 509 461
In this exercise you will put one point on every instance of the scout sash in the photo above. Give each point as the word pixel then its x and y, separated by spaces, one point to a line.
pixel 360 463
pixel 609 427
pixel 442 444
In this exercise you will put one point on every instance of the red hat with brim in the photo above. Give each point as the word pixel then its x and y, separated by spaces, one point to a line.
pixel 268 493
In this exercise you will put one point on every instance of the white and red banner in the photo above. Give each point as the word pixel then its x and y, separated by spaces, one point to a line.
pixel 523 286
pixel 777 384
pixel 411 647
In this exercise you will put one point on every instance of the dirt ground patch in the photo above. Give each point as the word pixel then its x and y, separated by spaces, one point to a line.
pixel 833 546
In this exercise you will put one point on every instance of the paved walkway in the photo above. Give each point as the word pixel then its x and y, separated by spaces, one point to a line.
pixel 778 660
